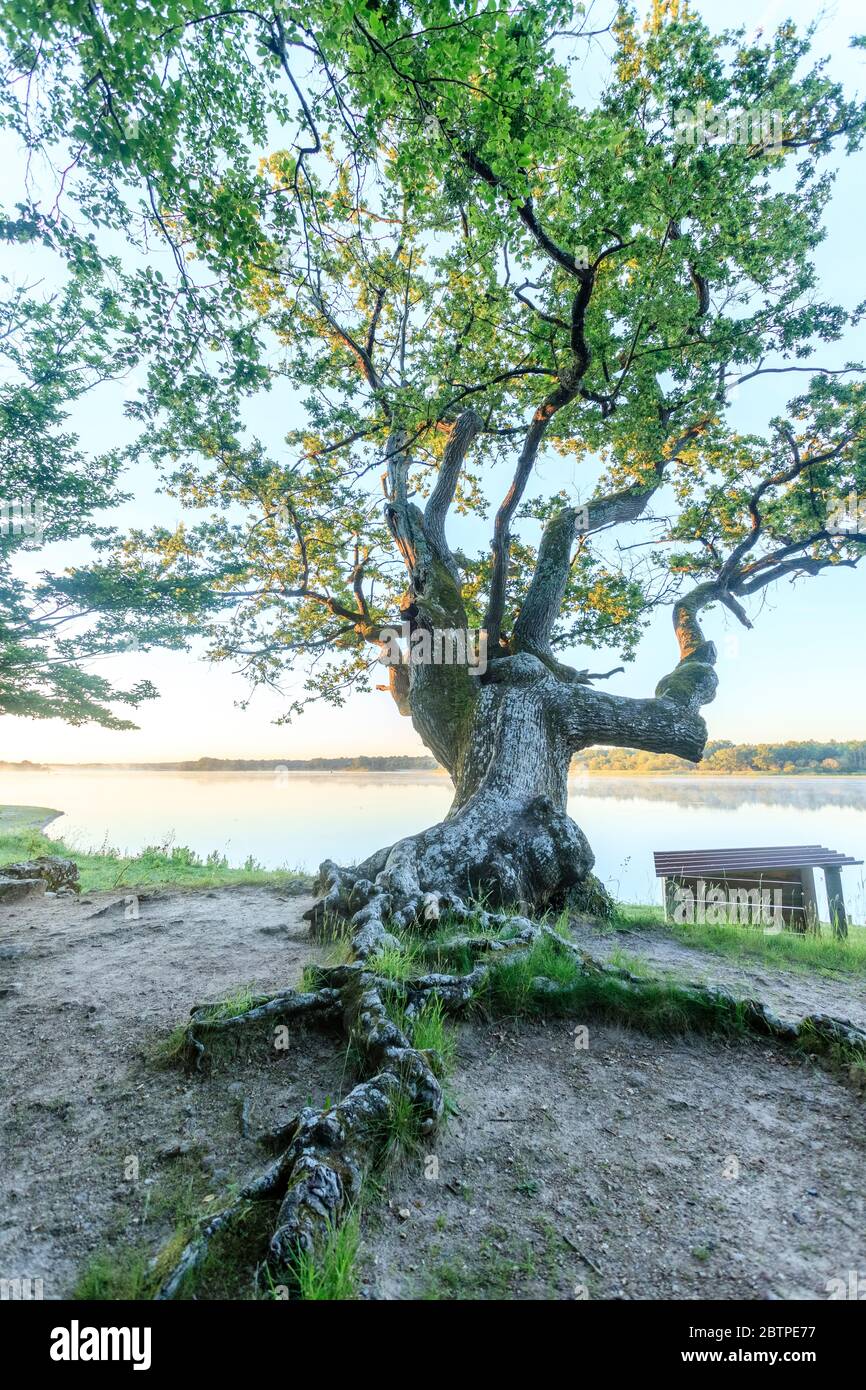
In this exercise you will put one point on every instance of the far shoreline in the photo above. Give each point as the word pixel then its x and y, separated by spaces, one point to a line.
pixel 576 770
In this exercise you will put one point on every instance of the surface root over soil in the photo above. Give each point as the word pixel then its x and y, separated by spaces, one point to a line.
pixel 324 1155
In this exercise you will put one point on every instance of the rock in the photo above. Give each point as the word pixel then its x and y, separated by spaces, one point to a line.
pixel 56 873
pixel 15 890
pixel 176 1148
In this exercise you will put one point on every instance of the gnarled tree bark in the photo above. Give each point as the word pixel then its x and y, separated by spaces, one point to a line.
pixel 507 735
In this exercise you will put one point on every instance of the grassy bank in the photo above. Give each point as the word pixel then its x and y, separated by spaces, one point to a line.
pixel 175 866
pixel 811 951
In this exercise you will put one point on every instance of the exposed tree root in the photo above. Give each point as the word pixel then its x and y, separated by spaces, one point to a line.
pixel 531 854
pixel 322 1008
pixel 325 1155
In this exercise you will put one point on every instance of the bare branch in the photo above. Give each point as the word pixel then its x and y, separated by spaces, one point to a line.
pixel 465 429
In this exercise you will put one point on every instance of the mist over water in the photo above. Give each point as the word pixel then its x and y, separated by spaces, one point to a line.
pixel 296 819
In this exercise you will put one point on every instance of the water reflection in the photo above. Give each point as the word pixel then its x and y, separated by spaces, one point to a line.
pixel 299 818
pixel 728 792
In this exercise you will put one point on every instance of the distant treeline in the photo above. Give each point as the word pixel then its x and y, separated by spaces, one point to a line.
pixel 812 757
pixel 359 764
pixel 364 763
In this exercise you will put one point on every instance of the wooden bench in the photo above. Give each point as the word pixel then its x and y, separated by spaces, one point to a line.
pixel 786 870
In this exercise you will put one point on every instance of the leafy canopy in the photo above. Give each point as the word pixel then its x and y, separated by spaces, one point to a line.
pixel 387 215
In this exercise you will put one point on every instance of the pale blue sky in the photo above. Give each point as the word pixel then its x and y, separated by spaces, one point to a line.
pixel 801 673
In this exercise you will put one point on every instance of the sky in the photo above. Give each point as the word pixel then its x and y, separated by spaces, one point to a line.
pixel 800 673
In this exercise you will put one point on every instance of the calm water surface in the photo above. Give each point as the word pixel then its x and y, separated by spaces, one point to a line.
pixel 298 819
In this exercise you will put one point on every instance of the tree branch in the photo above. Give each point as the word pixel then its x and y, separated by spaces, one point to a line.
pixel 466 427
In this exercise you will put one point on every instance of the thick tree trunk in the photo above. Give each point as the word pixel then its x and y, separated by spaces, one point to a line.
pixel 507 736
pixel 507 839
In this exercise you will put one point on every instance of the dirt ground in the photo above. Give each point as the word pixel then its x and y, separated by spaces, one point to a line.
pixel 85 993
pixel 631 1168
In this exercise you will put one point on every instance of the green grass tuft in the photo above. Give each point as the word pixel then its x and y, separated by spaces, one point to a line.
pixel 115 1276
pixel 168 1051
pixel 398 962
pixel 430 1032
pixel 331 1274
pixel 401 1135
pixel 820 950
pixel 655 1006
pixel 165 865
pixel 236 1004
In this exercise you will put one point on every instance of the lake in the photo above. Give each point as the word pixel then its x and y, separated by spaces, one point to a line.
pixel 299 818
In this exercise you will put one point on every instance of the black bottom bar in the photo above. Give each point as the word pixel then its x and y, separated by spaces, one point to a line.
pixel 205 1338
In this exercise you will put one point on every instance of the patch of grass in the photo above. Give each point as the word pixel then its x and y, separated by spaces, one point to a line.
pixel 449 959
pixel 116 1276
pixel 511 981
pixel 448 956
pixel 529 1187
pixel 168 1051
pixel 430 1031
pixel 178 1198
pixel 229 1266
pixel 398 962
pixel 401 1130
pixel 818 950
pixel 655 1006
pixel 106 868
pixel 561 924
pixel 331 1273
pixel 339 949
pixel 244 999
pixel 635 965
pixel 311 979
pixel 24 820
pixel 633 916
pixel 169 1254
pixel 840 1056
pixel 228 1269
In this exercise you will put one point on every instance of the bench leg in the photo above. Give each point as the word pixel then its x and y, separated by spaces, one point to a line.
pixel 810 900
pixel 836 902
pixel 669 890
